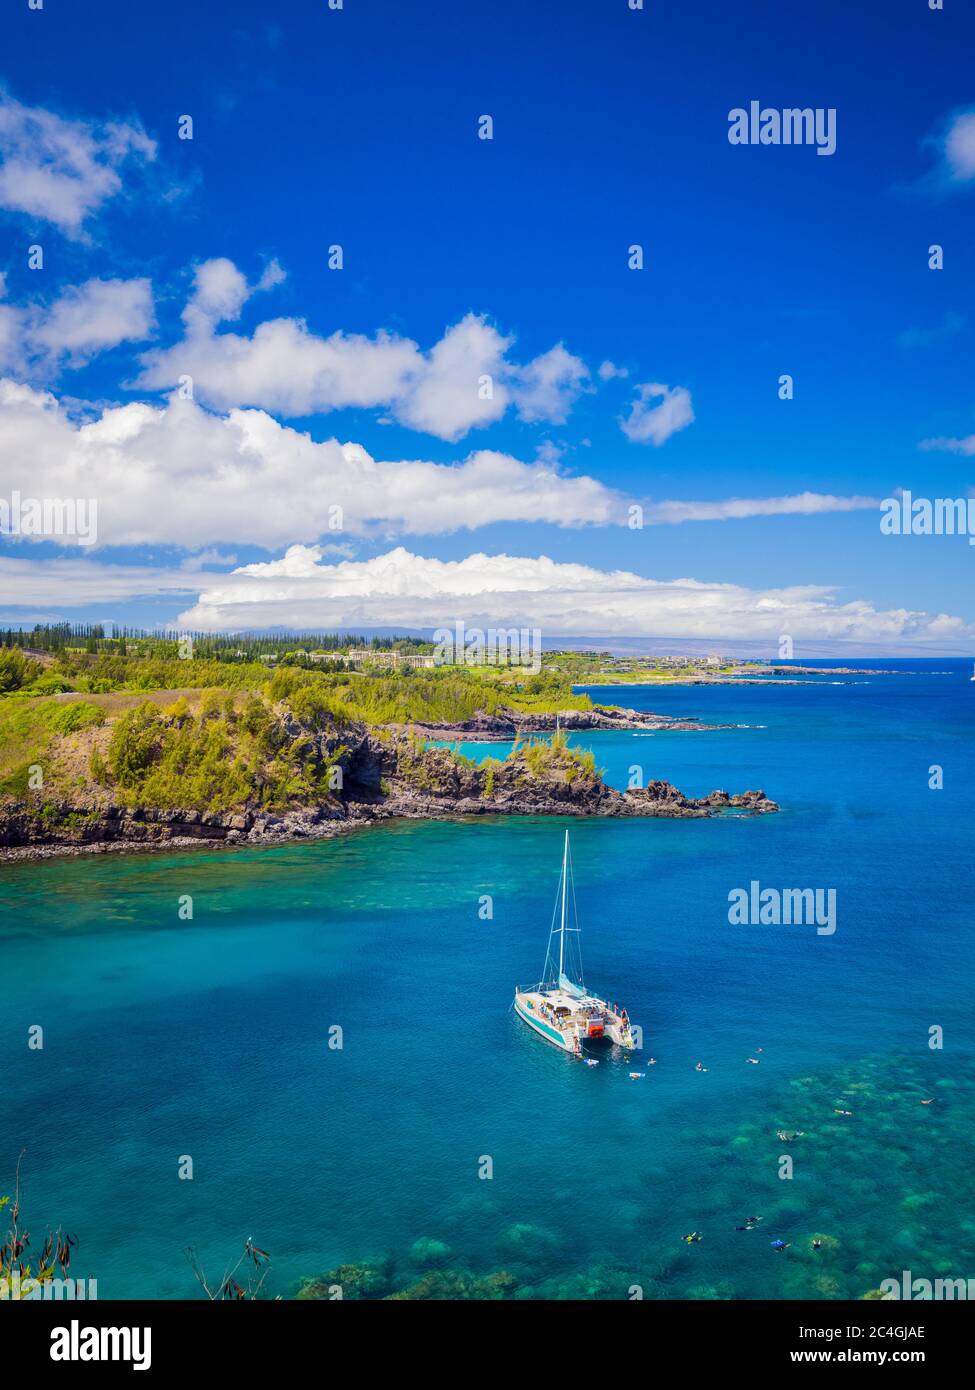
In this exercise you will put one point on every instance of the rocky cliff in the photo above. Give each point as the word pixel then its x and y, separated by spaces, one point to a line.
pixel 377 774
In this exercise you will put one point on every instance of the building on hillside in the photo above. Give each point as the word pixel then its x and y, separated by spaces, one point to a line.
pixel 359 656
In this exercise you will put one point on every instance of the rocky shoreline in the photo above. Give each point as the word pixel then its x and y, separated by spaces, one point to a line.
pixel 120 830
pixel 385 774
pixel 507 724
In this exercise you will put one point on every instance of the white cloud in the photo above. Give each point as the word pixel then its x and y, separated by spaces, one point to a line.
pixel 400 588
pixel 62 171
pixel 87 319
pixel 220 291
pixel 734 508
pixel 83 321
pixel 548 386
pixel 944 445
pixel 466 380
pixel 608 371
pixel 177 474
pixel 180 475
pixel 446 392
pixel 959 146
pixel 59 584
pixel 654 424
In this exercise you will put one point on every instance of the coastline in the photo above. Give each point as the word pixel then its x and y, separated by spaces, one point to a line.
pixel 167 829
pixel 384 772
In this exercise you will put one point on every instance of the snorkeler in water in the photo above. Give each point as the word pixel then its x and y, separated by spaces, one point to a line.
pixel 692 1238
pixel 817 1244
pixel 779 1245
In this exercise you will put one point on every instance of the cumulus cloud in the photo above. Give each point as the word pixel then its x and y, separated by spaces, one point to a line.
pixel 465 380
pixel 546 388
pixel 62 171
pixel 301 590
pixel 648 423
pixel 220 292
pixel 178 474
pixel 401 588
pixel 81 322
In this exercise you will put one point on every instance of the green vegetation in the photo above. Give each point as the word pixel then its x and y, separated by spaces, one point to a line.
pixel 16 670
pixel 91 638
pixel 24 1267
pixel 445 695
pixel 124 719
pixel 28 732
pixel 548 757
pixel 375 695
pixel 217 759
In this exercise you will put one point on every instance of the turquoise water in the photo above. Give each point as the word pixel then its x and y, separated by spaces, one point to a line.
pixel 209 1037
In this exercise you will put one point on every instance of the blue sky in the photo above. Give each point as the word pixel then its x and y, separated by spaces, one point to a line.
pixel 358 127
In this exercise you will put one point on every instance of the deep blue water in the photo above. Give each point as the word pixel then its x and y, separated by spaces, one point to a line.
pixel 209 1037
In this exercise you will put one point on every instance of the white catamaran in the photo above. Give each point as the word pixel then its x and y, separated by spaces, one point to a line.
pixel 559 1007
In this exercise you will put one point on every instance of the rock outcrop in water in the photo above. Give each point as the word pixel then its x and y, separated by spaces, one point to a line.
pixel 381 774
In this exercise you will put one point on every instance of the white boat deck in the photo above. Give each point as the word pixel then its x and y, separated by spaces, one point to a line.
pixel 576 1017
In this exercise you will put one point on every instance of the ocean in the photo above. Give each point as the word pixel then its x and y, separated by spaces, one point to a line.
pixel 444 1150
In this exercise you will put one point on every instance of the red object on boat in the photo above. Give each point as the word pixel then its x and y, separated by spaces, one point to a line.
pixel 595 1030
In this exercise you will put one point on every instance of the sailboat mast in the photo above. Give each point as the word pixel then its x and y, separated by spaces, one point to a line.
pixel 565 876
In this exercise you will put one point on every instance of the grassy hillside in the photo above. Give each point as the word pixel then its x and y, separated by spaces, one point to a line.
pixel 154 730
pixel 219 752
pixel 445 694
pixel 223 751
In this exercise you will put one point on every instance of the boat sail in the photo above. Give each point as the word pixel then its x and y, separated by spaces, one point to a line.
pixel 559 1007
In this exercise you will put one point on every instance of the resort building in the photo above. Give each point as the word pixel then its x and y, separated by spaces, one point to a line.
pixel 359 655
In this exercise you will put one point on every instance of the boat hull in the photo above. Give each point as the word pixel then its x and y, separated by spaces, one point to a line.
pixel 544 1030
pixel 611 1029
